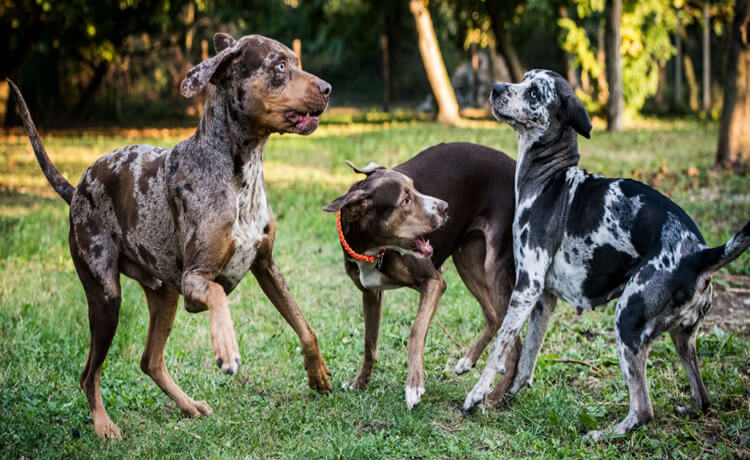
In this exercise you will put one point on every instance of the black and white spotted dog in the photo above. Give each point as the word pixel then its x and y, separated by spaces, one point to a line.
pixel 588 239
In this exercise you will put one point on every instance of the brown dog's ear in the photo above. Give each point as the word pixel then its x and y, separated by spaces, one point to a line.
pixel 345 199
pixel 367 170
pixel 577 116
pixel 223 41
pixel 198 77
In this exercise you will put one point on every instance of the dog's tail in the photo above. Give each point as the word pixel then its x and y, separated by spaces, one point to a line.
pixel 56 180
pixel 711 259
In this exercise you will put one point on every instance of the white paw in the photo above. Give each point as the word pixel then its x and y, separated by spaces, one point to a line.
pixel 347 386
pixel 463 366
pixel 413 396
pixel 475 396
pixel 593 436
pixel 518 385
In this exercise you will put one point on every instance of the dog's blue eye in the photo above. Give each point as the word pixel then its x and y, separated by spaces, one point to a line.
pixel 533 94
pixel 281 67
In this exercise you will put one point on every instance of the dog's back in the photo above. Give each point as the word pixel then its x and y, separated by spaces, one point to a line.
pixel 477 183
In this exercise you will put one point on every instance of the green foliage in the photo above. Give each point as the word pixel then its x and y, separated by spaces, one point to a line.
pixel 646 46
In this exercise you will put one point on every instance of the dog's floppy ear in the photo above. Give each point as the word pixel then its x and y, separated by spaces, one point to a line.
pixel 345 199
pixel 198 77
pixel 577 116
pixel 223 41
pixel 367 170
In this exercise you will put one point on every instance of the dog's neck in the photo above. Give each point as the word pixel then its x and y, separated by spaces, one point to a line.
pixel 540 160
pixel 221 129
pixel 357 235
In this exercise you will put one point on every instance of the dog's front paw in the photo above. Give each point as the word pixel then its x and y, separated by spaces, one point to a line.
pixel 475 396
pixel 106 429
pixel 464 365
pixel 195 409
pixel 224 341
pixel 317 374
pixel 357 383
pixel 593 436
pixel 413 396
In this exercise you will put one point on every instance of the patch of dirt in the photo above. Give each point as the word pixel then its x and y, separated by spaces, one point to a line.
pixel 730 309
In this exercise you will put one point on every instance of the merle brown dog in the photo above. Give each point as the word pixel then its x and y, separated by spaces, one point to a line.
pixel 191 220
pixel 391 221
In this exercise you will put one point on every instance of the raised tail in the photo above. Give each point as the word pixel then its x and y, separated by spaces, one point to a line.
pixel 711 259
pixel 56 180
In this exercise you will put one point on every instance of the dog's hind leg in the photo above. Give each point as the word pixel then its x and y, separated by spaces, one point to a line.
pixel 633 334
pixel 95 261
pixel 469 259
pixel 489 277
pixel 535 334
pixel 684 341
pixel 162 307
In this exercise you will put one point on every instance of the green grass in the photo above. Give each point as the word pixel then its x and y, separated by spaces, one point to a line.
pixel 267 410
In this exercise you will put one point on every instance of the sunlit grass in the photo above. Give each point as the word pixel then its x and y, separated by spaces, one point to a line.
pixel 266 410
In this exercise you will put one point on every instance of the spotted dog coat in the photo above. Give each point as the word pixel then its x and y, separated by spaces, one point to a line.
pixel 459 196
pixel 589 239
pixel 192 220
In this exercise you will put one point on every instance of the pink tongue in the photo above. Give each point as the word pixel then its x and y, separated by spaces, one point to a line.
pixel 306 121
pixel 424 247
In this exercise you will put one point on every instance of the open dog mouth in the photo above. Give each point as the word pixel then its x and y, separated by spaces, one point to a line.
pixel 423 247
pixel 304 123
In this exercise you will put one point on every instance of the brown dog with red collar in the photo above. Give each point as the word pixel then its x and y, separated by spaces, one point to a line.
pixel 192 220
pixel 398 226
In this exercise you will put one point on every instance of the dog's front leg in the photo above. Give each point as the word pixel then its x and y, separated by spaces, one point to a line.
pixel 372 303
pixel 429 299
pixel 202 292
pixel 521 304
pixel 532 345
pixel 272 282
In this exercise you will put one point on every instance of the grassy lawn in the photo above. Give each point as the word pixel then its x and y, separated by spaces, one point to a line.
pixel 267 410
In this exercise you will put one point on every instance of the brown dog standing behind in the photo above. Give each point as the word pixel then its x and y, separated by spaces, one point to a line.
pixel 191 220
pixel 456 197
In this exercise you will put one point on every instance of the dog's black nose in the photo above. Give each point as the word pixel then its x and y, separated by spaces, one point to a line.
pixel 324 88
pixel 497 89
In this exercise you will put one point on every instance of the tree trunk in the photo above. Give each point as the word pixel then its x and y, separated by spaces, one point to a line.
pixel 734 136
pixel 433 64
pixel 602 87
pixel 86 100
pixel 694 90
pixel 616 103
pixel 678 101
pixel 568 60
pixel 706 56
pixel 386 70
pixel 502 40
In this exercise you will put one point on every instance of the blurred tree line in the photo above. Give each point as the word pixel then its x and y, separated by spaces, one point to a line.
pixel 124 59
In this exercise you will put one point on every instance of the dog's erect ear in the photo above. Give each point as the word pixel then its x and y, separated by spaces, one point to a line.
pixel 223 41
pixel 198 77
pixel 367 170
pixel 345 199
pixel 577 116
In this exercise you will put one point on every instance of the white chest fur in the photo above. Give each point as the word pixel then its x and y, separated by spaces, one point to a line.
pixel 253 214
